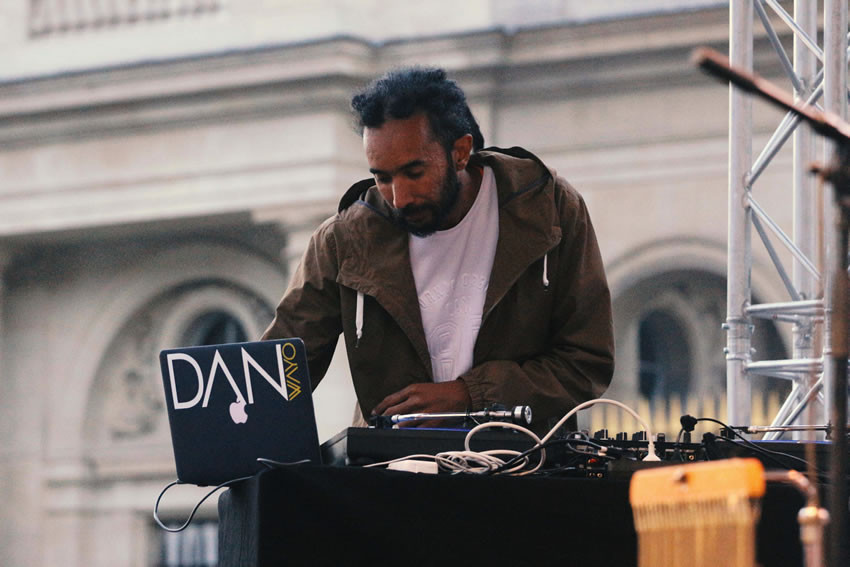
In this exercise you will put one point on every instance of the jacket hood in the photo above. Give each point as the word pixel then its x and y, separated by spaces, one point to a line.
pixel 355 193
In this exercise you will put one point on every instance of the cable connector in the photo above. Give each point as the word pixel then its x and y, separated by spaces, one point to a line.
pixel 651 455
pixel 688 422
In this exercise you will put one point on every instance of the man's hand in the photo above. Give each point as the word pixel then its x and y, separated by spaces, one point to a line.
pixel 426 398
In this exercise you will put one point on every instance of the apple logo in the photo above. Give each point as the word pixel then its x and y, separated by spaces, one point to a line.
pixel 237 411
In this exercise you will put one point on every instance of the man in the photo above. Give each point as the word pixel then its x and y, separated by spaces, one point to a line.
pixel 460 277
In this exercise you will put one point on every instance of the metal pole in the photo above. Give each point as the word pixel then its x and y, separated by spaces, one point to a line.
pixel 805 236
pixel 835 101
pixel 838 414
pixel 738 333
pixel 812 518
pixel 835 378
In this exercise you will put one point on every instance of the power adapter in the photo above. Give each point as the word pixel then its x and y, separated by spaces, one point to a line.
pixel 414 466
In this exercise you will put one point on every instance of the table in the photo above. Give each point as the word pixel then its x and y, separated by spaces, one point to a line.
pixel 323 515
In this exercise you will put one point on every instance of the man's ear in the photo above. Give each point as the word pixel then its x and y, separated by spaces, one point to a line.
pixel 461 150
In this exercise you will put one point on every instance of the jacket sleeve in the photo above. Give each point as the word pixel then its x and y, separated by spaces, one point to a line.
pixel 577 361
pixel 310 307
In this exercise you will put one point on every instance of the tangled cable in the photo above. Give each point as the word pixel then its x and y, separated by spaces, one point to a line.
pixel 517 463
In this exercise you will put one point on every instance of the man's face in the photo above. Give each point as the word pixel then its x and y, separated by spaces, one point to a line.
pixel 413 173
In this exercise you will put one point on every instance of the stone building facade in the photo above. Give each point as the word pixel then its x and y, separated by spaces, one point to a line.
pixel 163 163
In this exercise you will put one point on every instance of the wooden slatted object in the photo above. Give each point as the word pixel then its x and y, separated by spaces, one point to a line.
pixel 699 515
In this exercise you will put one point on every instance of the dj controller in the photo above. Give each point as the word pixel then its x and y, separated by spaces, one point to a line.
pixel 572 454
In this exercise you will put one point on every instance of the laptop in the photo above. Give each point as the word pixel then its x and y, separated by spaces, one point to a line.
pixel 230 404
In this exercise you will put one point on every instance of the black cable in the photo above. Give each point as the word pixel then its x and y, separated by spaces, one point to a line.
pixel 272 464
pixel 553 443
pixel 755 447
pixel 678 449
pixel 195 509
pixel 556 470
pixel 770 454
pixel 605 455
pixel 517 458
pixel 522 456
pixel 677 446
pixel 269 463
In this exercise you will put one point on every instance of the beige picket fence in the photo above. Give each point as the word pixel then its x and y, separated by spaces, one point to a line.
pixel 663 414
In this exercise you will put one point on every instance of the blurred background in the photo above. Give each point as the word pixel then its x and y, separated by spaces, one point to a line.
pixel 163 163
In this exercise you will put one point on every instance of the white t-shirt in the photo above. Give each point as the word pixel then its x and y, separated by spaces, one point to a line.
pixel 452 272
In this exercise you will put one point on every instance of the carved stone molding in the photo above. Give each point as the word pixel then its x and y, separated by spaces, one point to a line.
pixel 47 17
pixel 128 404
pixel 135 401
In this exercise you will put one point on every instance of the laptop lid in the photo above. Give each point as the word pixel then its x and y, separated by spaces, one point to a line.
pixel 230 404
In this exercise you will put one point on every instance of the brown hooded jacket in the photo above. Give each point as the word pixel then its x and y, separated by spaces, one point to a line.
pixel 546 335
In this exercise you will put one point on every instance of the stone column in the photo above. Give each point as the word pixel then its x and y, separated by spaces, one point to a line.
pixel 6 256
pixel 297 223
pixel 297 239
pixel 9 550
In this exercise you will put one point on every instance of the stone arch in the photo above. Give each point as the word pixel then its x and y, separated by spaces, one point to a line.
pixel 695 298
pixel 125 406
pixel 128 293
pixel 689 253
pixel 685 277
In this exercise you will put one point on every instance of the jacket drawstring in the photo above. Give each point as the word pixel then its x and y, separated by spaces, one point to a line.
pixel 545 269
pixel 358 318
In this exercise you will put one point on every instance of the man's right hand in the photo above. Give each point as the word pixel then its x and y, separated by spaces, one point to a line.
pixel 426 398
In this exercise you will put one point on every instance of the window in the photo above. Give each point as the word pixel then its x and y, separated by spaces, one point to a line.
pixel 670 354
pixel 215 328
pixel 196 546
pixel 665 357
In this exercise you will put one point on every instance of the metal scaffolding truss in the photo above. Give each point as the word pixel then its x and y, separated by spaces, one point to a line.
pixel 817 74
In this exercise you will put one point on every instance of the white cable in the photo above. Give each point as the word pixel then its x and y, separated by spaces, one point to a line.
pixel 453 461
pixel 482 462
pixel 651 456
pixel 519 428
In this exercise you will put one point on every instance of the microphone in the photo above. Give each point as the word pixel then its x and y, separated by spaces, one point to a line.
pixel 518 414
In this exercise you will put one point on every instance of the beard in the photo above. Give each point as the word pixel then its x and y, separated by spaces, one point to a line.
pixel 425 219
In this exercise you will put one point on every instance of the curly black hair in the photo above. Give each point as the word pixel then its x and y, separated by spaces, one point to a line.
pixel 403 92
